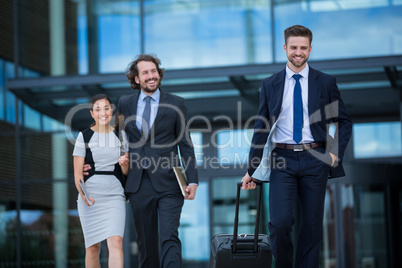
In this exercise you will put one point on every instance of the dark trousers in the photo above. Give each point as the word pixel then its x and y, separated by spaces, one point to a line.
pixel 157 219
pixel 302 175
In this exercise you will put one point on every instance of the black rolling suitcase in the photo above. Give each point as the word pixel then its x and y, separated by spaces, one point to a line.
pixel 241 251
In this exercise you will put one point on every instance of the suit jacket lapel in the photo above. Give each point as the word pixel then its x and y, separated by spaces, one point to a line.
pixel 278 88
pixel 161 110
pixel 133 103
pixel 313 90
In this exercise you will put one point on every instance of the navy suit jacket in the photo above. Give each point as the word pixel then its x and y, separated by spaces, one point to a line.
pixel 159 152
pixel 325 106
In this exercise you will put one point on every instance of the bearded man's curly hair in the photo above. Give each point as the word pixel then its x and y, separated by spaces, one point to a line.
pixel 132 69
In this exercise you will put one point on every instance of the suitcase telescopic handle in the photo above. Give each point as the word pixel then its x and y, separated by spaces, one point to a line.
pixel 257 220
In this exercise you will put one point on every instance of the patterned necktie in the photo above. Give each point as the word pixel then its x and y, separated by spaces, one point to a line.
pixel 145 117
pixel 297 110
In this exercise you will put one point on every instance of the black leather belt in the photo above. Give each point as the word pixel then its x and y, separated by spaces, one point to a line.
pixel 104 172
pixel 297 147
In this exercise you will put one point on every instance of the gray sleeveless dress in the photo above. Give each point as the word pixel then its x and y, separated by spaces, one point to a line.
pixel 106 217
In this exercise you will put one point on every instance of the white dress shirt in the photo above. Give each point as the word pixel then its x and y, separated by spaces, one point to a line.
pixel 284 128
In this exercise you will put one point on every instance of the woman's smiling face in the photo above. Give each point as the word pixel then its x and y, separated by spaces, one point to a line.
pixel 102 112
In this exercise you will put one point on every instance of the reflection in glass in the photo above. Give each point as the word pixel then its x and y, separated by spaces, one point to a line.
pixel 108 35
pixel 194 226
pixel 328 252
pixel 196 138
pixel 37 247
pixel 223 207
pixel 234 146
pixel 348 216
pixel 32 118
pixel 7 235
pixel 381 139
pixel 208 33
pixel 364 226
pixel 2 89
pixel 10 107
pixel 343 39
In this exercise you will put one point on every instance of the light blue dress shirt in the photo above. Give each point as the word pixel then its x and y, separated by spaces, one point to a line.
pixel 155 97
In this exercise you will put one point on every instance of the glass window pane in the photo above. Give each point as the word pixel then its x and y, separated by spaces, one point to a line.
pixel 350 17
pixel 377 140
pixel 234 147
pixel 2 88
pixel 10 107
pixel 32 118
pixel 328 252
pixel 49 124
pixel 194 226
pixel 30 73
pixel 208 33
pixel 9 97
pixel 196 138
pixel 224 204
pixel 399 217
pixel 82 39
pixel 49 223
pixel 119 34
pixel 8 229
pixel 364 226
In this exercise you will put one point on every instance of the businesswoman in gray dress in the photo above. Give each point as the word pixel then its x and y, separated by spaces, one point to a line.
pixel 101 146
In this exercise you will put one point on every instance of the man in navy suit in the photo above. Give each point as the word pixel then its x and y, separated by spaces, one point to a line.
pixel 303 102
pixel 155 197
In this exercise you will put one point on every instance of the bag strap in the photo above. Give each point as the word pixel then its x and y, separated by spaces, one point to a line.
pixel 257 220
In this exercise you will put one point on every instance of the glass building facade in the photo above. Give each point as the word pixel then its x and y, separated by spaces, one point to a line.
pixel 56 54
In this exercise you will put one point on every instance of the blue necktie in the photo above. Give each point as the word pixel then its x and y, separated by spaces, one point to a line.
pixel 145 117
pixel 297 110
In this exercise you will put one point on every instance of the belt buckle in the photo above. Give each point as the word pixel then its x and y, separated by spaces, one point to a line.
pixel 298 147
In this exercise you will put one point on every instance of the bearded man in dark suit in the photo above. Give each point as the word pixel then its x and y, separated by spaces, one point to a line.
pixel 155 139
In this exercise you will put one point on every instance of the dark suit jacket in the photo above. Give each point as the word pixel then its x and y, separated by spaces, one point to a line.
pixel 325 106
pixel 168 133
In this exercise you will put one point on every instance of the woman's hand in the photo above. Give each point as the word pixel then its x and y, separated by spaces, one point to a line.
pixel 79 167
pixel 82 194
pixel 86 201
pixel 123 160
pixel 124 163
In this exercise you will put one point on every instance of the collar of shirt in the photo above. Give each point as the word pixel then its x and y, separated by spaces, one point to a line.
pixel 154 97
pixel 303 73
pixel 284 128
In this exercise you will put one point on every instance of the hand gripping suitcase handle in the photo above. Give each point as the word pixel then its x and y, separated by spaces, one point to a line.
pixel 257 220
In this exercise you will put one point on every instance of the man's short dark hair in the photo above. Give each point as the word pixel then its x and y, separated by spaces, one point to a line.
pixel 132 69
pixel 298 30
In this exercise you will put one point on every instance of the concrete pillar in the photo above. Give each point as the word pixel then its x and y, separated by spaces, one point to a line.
pixel 60 199
pixel 59 143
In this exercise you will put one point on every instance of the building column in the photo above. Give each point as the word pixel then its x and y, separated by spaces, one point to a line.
pixel 57 38
pixel 60 199
pixel 59 143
